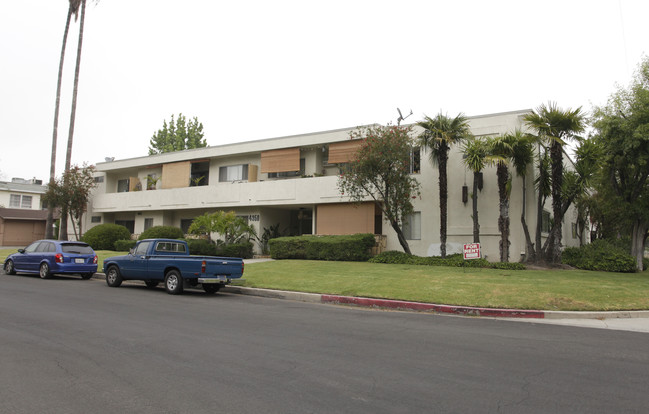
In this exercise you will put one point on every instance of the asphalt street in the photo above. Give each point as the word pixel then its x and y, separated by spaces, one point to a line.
pixel 75 346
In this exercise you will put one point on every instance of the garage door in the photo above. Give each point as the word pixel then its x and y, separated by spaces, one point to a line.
pixel 21 233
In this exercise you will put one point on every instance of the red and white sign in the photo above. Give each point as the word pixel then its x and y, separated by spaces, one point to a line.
pixel 472 251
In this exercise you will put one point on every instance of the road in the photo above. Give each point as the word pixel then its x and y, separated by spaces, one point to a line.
pixel 74 346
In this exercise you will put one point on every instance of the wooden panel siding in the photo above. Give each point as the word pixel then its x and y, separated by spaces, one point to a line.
pixel 176 175
pixel 281 160
pixel 345 218
pixel 340 152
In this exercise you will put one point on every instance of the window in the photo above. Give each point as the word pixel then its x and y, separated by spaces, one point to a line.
pixel 99 179
pixel 233 173
pixel 20 201
pixel 170 247
pixel 95 219
pixel 78 248
pixel 142 248
pixel 574 230
pixel 148 223
pixel 415 161
pixel 129 224
pixel 200 174
pixel 545 222
pixel 412 226
pixel 184 225
pixel 290 173
pixel 122 186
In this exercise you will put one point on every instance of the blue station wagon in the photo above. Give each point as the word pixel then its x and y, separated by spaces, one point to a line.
pixel 48 257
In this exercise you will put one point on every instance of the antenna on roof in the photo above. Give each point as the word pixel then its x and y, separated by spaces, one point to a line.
pixel 401 118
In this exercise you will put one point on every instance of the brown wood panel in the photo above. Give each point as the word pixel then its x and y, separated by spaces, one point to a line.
pixel 345 218
pixel 21 233
pixel 340 152
pixel 176 175
pixel 281 160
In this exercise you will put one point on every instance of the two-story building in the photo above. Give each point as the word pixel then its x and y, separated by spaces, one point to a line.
pixel 292 181
pixel 22 218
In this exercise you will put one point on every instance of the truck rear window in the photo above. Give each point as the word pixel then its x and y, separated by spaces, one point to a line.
pixel 170 247
pixel 76 248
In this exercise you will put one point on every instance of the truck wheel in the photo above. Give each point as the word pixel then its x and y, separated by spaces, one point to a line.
pixel 211 288
pixel 9 267
pixel 173 283
pixel 151 283
pixel 113 277
pixel 44 271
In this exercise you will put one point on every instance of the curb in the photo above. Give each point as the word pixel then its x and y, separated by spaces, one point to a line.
pixel 425 307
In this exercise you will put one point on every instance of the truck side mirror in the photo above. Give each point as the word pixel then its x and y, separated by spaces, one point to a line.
pixel 131 251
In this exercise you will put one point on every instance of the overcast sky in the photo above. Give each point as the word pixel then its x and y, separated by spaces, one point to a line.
pixel 262 69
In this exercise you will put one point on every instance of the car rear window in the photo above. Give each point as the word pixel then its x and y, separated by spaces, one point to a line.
pixel 76 248
pixel 170 247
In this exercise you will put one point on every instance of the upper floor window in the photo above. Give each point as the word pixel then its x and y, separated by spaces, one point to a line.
pixel 99 179
pixel 20 201
pixel 200 174
pixel 233 173
pixel 415 161
pixel 122 186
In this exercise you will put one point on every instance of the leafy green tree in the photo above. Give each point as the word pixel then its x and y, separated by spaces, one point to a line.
pixel 231 229
pixel 476 159
pixel 72 192
pixel 177 135
pixel 556 126
pixel 622 131
pixel 380 170
pixel 439 135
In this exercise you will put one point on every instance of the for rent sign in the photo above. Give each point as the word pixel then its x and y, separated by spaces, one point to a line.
pixel 472 251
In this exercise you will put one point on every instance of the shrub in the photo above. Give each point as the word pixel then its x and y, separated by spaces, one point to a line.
pixel 356 247
pixel 162 232
pixel 104 236
pixel 603 255
pixel 393 257
pixel 124 245
pixel 201 247
pixel 453 260
pixel 242 250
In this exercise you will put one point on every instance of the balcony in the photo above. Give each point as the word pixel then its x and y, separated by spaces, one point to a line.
pixel 311 190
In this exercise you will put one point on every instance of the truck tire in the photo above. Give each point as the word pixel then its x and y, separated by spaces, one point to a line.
pixel 113 277
pixel 44 271
pixel 211 288
pixel 173 282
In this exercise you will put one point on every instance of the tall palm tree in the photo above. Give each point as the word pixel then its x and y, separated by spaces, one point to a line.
pixel 522 158
pixel 475 159
pixel 556 126
pixel 63 229
pixel 73 9
pixel 440 133
pixel 501 148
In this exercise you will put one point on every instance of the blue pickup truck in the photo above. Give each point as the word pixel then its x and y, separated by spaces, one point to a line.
pixel 168 260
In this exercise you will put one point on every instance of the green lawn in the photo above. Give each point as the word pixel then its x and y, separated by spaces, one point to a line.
pixel 524 289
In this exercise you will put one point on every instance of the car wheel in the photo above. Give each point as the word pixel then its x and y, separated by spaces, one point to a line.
pixel 86 276
pixel 151 283
pixel 44 271
pixel 173 283
pixel 113 277
pixel 211 288
pixel 9 267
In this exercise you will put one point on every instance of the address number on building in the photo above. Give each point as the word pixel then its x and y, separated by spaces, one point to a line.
pixel 253 217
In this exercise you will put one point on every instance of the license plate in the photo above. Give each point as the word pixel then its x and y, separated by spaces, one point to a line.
pixel 79 261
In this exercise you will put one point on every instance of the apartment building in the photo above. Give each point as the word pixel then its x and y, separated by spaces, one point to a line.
pixel 292 181
pixel 22 218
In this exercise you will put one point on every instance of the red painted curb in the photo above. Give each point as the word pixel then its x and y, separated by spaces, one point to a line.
pixel 419 306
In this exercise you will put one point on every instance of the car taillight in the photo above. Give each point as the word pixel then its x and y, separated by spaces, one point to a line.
pixel 203 266
pixel 94 260
pixel 58 258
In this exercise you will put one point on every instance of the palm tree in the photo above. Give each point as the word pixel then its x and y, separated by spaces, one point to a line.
pixel 476 159
pixel 501 149
pixel 63 229
pixel 440 133
pixel 555 126
pixel 522 158
pixel 73 8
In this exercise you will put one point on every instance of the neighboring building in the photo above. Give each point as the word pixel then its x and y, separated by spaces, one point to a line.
pixel 22 219
pixel 293 181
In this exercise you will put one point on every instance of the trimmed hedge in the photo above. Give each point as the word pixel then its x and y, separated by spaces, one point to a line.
pixel 162 232
pixel 453 260
pixel 104 236
pixel 603 255
pixel 124 245
pixel 202 247
pixel 356 247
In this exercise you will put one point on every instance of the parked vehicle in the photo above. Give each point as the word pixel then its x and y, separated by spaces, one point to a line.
pixel 168 260
pixel 49 257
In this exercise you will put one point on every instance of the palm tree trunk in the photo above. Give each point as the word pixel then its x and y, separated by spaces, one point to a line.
pixel 531 254
pixel 63 232
pixel 476 223
pixel 503 219
pixel 554 249
pixel 49 224
pixel 443 199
